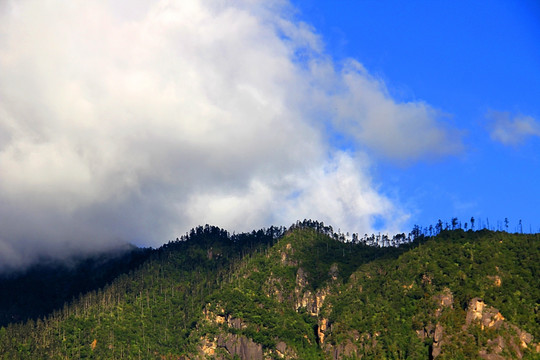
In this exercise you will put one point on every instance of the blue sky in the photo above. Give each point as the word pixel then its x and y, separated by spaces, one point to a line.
pixel 466 59
pixel 136 120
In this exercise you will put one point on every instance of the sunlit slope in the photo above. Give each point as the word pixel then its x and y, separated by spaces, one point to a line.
pixel 305 294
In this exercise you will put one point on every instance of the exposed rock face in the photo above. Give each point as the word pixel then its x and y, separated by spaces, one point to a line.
pixel 490 318
pixel 487 317
pixel 439 327
pixel 497 281
pixel 222 318
pixel 281 347
pixel 444 300
pixel 234 344
pixel 226 345
pixel 436 332
pixel 286 256
pixel 497 346
pixel 208 347
pixel 437 340
pixel 312 302
pixel 235 323
pixel 475 310
pixel 301 279
pixel 274 288
pixel 283 351
pixel 447 300
pixel 240 345
pixel 213 317
pixel 322 327
pixel 349 347
pixel 304 298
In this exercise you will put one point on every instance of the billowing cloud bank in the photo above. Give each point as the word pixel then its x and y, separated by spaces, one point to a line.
pixel 134 121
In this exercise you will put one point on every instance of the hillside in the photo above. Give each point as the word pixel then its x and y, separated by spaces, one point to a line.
pixel 36 291
pixel 305 294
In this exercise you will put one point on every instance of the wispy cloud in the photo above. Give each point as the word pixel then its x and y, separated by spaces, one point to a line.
pixel 510 129
pixel 133 121
pixel 401 131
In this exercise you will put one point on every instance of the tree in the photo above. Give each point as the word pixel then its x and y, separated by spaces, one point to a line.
pixel 472 223
pixel 416 232
pixel 438 226
pixel 506 223
pixel 454 223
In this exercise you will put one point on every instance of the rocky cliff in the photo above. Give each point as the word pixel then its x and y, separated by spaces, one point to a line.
pixel 344 320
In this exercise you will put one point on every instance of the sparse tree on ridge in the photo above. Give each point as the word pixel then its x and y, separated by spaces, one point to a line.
pixel 438 226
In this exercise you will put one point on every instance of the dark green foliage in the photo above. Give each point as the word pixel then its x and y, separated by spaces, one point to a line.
pixel 43 288
pixel 150 312
pixel 212 285
pixel 394 296
pixel 317 252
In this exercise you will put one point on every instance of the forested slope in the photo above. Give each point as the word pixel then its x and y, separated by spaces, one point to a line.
pixel 36 291
pixel 305 293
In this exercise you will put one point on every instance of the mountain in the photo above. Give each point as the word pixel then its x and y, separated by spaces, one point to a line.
pixel 36 291
pixel 303 293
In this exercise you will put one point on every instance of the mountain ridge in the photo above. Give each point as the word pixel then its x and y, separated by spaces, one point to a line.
pixel 304 293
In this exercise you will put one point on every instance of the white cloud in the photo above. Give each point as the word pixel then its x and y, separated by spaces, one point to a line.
pixel 133 121
pixel 362 108
pixel 340 192
pixel 337 191
pixel 511 130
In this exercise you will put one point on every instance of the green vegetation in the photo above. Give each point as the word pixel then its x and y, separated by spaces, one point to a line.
pixel 399 295
pixel 302 293
pixel 43 288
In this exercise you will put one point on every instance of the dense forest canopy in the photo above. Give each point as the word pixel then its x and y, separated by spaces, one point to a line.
pixel 303 292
